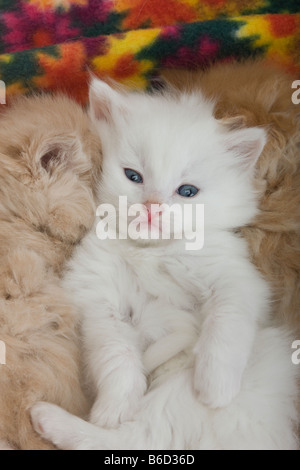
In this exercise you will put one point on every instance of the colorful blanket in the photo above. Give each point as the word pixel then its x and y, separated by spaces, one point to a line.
pixel 51 44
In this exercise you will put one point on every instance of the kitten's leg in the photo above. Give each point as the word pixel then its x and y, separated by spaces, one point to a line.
pixel 169 419
pixel 222 352
pixel 263 417
pixel 66 431
pixel 116 368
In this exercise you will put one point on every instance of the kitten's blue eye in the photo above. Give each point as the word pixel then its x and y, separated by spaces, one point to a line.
pixel 133 175
pixel 187 190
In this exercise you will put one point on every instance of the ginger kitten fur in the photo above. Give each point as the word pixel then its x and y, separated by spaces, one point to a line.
pixel 49 162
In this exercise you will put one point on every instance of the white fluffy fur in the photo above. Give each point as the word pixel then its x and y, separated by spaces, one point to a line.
pixel 176 344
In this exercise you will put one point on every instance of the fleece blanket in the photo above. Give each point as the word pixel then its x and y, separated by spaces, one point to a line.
pixel 51 44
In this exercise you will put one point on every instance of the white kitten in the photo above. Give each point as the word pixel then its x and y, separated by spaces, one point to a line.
pixel 169 332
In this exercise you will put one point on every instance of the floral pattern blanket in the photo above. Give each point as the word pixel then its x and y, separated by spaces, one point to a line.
pixel 51 45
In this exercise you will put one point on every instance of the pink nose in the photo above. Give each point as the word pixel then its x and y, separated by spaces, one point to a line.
pixel 156 209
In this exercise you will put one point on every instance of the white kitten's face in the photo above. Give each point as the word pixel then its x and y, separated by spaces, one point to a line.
pixel 170 150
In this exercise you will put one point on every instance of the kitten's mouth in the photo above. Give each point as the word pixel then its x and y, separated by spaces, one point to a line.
pixel 149 221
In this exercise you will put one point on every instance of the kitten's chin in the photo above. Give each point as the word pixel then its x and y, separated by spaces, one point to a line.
pixel 141 232
pixel 146 235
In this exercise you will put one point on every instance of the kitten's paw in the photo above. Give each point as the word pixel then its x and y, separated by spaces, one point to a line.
pixel 118 405
pixel 216 383
pixel 55 425
pixel 111 413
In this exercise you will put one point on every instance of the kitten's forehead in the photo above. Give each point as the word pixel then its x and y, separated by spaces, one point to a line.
pixel 168 135
pixel 170 112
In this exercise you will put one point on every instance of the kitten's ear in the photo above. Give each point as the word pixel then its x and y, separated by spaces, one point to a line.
pixel 106 102
pixel 63 152
pixel 247 144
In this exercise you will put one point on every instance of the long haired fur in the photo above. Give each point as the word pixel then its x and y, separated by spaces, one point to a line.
pixel 211 304
pixel 256 93
pixel 49 162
